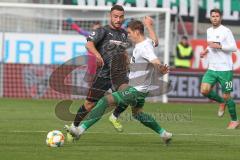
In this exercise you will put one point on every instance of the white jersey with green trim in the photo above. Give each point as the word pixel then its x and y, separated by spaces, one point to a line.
pixel 141 70
pixel 221 59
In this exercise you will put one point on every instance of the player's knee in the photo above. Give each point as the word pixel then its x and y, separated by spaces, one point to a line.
pixel 204 91
pixel 110 100
pixel 226 97
pixel 89 105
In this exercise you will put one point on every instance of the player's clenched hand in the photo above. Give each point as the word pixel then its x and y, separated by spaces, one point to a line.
pixel 203 53
pixel 214 45
pixel 100 61
pixel 148 21
pixel 164 69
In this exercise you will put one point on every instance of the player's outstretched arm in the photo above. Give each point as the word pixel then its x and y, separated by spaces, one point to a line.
pixel 204 53
pixel 148 22
pixel 164 69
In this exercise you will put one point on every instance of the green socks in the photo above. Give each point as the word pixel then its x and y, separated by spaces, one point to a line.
pixel 96 113
pixel 232 109
pixel 148 121
pixel 100 108
pixel 214 96
pixel 230 103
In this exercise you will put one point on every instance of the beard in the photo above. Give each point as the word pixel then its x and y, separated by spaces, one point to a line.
pixel 118 25
pixel 216 24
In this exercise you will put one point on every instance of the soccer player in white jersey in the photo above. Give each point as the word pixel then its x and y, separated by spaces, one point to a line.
pixel 133 95
pixel 221 44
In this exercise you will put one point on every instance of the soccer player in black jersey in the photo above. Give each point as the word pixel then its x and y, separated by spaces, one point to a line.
pixel 108 44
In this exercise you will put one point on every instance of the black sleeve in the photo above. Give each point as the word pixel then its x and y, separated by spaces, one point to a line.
pixel 96 36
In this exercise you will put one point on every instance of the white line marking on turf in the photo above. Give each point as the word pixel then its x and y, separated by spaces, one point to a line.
pixel 137 133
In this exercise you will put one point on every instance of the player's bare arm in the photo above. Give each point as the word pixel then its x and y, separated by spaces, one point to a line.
pixel 148 23
pixel 92 49
pixel 214 45
pixel 164 69
pixel 203 53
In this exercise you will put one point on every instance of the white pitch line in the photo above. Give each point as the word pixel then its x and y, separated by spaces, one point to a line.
pixel 137 133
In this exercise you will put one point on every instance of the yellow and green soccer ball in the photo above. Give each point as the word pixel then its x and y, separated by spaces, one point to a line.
pixel 55 138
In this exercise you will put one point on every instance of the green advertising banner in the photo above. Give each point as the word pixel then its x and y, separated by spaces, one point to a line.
pixel 230 8
pixel 235 4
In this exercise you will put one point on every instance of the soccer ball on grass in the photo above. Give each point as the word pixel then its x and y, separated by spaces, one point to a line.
pixel 55 138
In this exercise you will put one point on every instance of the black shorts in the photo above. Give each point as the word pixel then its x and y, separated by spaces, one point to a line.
pixel 118 75
pixel 101 85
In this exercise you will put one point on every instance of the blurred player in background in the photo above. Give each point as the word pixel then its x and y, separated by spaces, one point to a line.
pixel 221 44
pixel 134 95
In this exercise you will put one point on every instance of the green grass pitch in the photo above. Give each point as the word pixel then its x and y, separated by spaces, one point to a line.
pixel 198 134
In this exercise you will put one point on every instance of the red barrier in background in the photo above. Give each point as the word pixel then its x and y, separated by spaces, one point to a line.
pixel 30 81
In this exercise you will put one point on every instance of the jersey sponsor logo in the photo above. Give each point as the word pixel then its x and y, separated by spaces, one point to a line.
pixel 93 33
pixel 119 43
pixel 91 36
pixel 125 93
